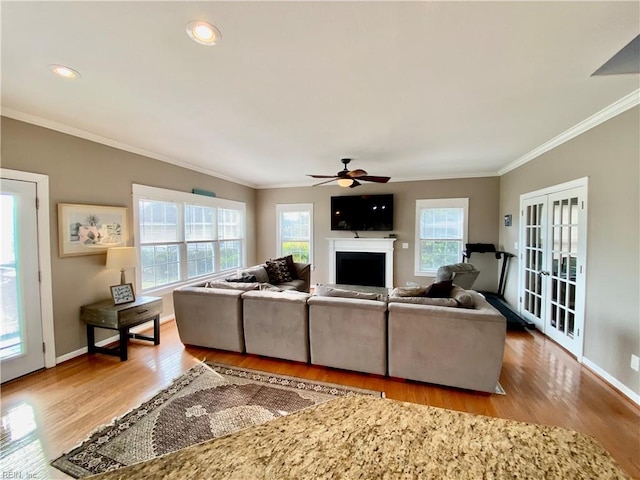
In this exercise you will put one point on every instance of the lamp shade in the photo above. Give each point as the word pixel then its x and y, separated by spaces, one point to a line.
pixel 121 258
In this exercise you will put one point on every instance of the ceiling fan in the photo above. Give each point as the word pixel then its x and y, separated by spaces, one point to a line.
pixel 350 178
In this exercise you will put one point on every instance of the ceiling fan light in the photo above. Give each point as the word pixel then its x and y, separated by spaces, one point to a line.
pixel 345 182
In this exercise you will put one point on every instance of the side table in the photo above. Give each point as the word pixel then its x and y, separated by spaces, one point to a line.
pixel 105 314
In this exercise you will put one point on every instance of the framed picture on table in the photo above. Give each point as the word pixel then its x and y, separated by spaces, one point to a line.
pixel 122 294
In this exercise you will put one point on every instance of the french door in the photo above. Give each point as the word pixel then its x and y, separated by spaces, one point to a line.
pixel 21 337
pixel 553 261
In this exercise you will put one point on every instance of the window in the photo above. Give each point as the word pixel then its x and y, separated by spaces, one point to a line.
pixel 182 236
pixel 295 231
pixel 441 233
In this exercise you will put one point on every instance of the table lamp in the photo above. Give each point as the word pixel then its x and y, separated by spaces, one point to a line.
pixel 122 257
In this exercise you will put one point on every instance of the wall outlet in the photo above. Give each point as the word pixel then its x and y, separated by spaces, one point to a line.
pixel 405 245
pixel 515 245
pixel 635 362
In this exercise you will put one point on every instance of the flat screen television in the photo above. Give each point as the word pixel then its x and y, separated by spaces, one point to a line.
pixel 362 212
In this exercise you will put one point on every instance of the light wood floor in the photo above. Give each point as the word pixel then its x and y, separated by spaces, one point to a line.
pixel 49 412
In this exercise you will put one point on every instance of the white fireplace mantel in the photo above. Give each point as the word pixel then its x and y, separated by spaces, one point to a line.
pixel 370 245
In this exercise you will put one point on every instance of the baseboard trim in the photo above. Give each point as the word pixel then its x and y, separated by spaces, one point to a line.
pixel 107 341
pixel 615 383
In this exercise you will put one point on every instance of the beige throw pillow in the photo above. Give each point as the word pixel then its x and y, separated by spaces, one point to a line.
pixel 462 297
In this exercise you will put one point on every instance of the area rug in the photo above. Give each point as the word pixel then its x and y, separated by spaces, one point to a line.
pixel 371 438
pixel 208 401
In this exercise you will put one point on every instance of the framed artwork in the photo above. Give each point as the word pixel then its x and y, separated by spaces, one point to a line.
pixel 90 229
pixel 122 294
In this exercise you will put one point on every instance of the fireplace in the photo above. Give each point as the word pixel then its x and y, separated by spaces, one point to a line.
pixel 360 268
pixel 382 248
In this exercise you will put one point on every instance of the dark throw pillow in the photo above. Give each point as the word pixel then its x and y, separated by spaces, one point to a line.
pixel 278 271
pixel 290 265
pixel 292 268
pixel 440 289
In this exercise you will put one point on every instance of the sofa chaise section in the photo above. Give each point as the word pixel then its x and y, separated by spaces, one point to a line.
pixel 276 324
pixel 456 347
pixel 209 317
pixel 348 333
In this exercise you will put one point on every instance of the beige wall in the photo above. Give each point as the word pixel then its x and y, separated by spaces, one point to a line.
pixel 81 171
pixel 610 156
pixel 483 194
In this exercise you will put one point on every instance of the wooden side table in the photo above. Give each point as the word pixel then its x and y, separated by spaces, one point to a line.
pixel 105 314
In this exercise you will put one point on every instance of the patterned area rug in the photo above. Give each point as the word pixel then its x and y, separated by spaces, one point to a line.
pixel 208 401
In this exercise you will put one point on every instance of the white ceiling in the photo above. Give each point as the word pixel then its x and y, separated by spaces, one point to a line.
pixel 412 90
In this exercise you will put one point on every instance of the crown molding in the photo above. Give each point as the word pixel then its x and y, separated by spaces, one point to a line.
pixel 86 135
pixel 393 180
pixel 616 108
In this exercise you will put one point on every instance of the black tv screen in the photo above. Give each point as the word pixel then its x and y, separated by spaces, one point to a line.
pixel 362 212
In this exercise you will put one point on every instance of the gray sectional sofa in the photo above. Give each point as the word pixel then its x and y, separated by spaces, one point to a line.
pixel 396 336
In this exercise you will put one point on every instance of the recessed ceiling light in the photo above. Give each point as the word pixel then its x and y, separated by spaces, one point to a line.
pixel 64 72
pixel 203 32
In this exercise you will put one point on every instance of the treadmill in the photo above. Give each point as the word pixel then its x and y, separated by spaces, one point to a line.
pixel 514 320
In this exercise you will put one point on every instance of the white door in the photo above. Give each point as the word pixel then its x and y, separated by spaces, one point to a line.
pixel 21 344
pixel 553 263
pixel 532 259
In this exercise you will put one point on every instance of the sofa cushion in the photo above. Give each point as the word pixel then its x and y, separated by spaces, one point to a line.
pixel 244 278
pixel 245 287
pixel 440 289
pixel 233 285
pixel 293 285
pixel 419 291
pixel 258 271
pixel 325 291
pixel 287 296
pixel 438 302
pixel 278 271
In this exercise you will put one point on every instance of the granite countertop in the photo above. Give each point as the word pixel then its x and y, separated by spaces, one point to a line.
pixel 362 437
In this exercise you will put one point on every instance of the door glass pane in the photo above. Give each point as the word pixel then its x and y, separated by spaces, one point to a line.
pixel 572 297
pixel 11 331
pixel 570 324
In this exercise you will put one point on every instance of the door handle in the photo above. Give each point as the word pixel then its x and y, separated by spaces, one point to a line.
pixel 543 272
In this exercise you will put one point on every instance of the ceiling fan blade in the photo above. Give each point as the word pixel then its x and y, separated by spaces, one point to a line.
pixel 322 183
pixel 357 173
pixel 321 176
pixel 354 184
pixel 370 178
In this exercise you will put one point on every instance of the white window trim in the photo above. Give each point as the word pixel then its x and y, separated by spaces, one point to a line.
pixel 145 192
pixel 294 207
pixel 438 203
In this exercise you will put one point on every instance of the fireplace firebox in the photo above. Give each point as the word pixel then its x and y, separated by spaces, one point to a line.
pixel 360 268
